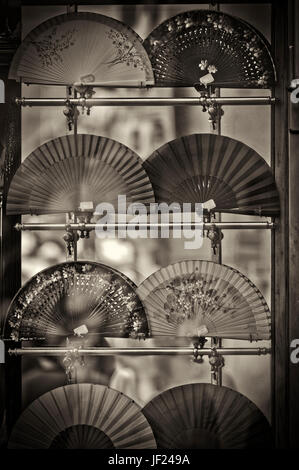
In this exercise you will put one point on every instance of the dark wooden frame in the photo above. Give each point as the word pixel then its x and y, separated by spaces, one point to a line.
pixel 293 260
pixel 285 240
pixel 280 337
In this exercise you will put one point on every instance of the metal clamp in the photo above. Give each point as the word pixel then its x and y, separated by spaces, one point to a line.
pixel 71 360
pixel 216 361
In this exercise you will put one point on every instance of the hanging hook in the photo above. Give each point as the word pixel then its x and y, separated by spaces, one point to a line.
pixel 70 238
pixel 72 359
pixel 199 343
pixel 209 105
pixel 215 235
pixel 86 92
pixel 216 362
pixel 215 112
pixel 71 113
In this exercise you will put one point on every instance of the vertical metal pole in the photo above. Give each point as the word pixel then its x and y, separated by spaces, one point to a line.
pixel 74 217
pixel 216 375
pixel 75 116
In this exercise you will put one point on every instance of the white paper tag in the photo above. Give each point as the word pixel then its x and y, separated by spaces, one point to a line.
pixel 86 206
pixel 81 330
pixel 206 79
pixel 209 205
pixel 87 78
pixel 202 331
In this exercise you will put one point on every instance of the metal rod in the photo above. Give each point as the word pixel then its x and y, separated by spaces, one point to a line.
pixel 139 101
pixel 132 226
pixel 166 351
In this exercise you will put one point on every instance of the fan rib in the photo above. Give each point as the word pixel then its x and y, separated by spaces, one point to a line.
pixel 73 406
pixel 201 167
pixel 66 171
pixel 49 54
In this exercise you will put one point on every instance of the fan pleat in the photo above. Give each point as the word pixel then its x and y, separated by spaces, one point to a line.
pixel 215 300
pixel 82 415
pixel 82 47
pixel 81 436
pixel 63 297
pixel 202 167
pixel 240 53
pixel 62 173
pixel 206 416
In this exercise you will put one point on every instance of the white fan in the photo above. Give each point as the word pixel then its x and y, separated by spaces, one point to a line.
pixel 203 298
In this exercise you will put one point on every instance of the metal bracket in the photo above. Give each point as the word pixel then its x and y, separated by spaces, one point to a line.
pixel 216 361
pixel 71 113
pixel 216 236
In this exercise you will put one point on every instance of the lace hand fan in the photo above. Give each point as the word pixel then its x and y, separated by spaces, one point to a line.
pixel 204 416
pixel 85 48
pixel 82 416
pixel 206 167
pixel 204 47
pixel 76 295
pixel 65 172
pixel 203 298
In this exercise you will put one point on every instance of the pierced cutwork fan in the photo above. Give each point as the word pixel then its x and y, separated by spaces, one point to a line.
pixel 82 416
pixel 90 296
pixel 202 167
pixel 208 47
pixel 203 298
pixel 204 416
pixel 65 172
pixel 85 48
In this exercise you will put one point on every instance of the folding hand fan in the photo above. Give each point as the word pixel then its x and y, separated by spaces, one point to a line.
pixel 82 416
pixel 209 47
pixel 61 174
pixel 204 416
pixel 203 167
pixel 203 298
pixel 71 295
pixel 82 47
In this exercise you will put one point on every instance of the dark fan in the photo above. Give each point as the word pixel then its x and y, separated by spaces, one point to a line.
pixel 81 295
pixel 204 416
pixel 85 48
pixel 204 47
pixel 82 416
pixel 206 167
pixel 65 172
pixel 203 298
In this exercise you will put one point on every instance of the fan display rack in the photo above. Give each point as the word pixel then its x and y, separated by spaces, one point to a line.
pixel 212 226
pixel 74 225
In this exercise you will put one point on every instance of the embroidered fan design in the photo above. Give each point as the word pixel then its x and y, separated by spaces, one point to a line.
pixel 49 49
pixel 125 50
